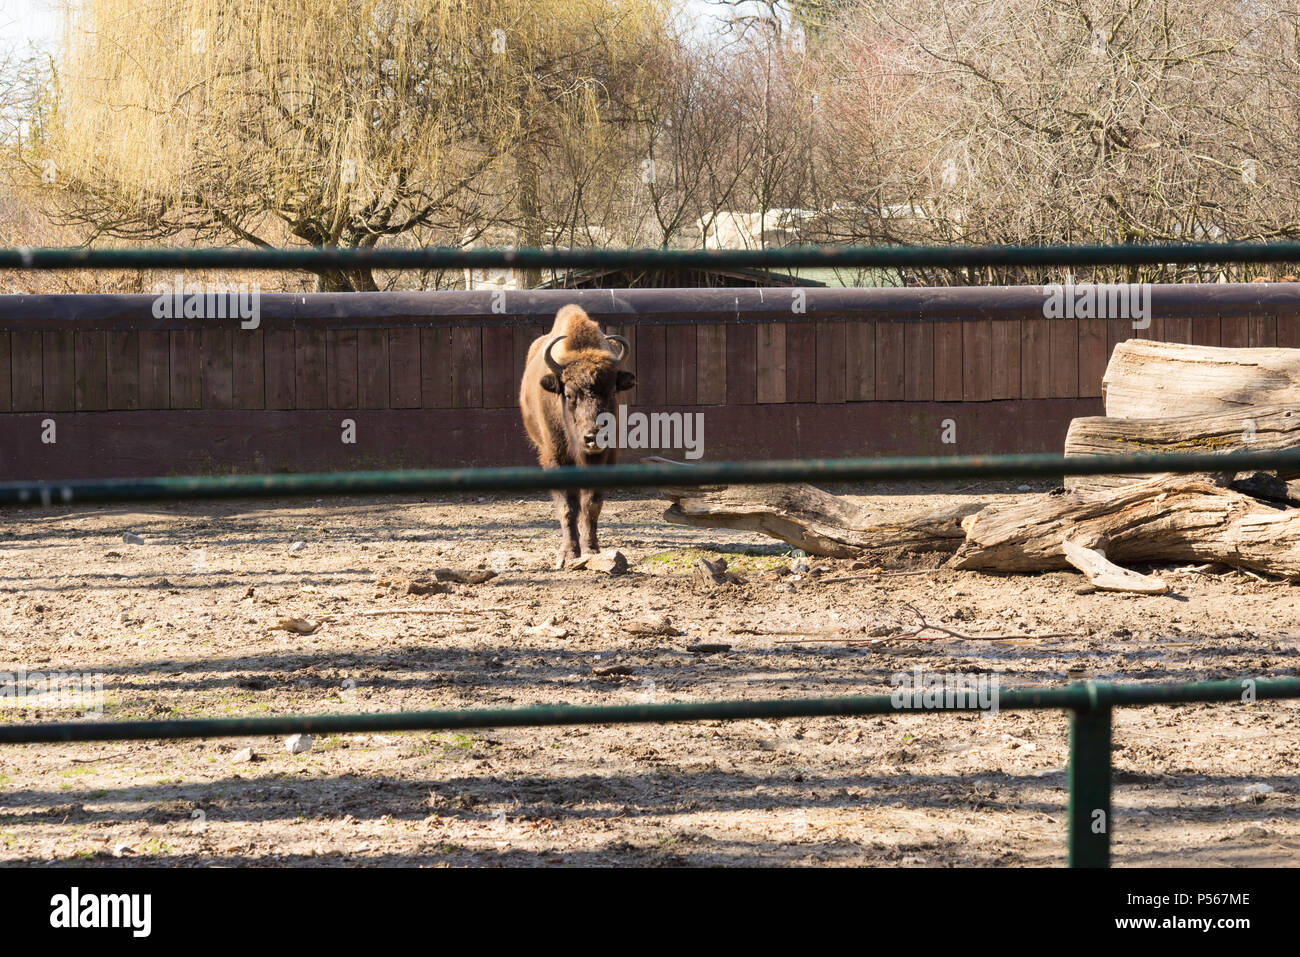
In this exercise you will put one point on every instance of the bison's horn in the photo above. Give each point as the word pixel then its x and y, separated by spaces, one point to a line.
pixel 550 360
pixel 623 347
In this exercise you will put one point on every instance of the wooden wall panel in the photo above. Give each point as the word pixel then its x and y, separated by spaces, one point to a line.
pixel 651 354
pixel 155 360
pixel 91 356
pixel 680 364
pixel 217 359
pixel 6 396
pixel 342 368
pixel 918 346
pixel 771 363
pixel 1064 350
pixel 1234 331
pixel 58 371
pixel 281 376
pixel 372 369
pixel 948 361
pixel 711 364
pixel 1093 356
pixel 404 383
pixel 1036 358
pixel 832 361
pixel 859 361
pixel 311 368
pixel 186 365
pixel 800 362
pixel 466 367
pixel 891 371
pixel 742 364
pixel 26 372
pixel 1004 359
pixel 977 360
pixel 122 367
pixel 435 367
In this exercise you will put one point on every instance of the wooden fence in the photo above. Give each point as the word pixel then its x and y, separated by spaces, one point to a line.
pixel 99 386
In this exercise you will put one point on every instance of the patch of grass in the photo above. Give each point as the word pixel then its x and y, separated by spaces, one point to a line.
pixel 756 558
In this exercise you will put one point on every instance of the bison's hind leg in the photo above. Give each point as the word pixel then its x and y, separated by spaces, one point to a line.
pixel 568 506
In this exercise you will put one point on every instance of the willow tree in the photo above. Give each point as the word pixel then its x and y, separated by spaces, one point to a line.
pixel 334 122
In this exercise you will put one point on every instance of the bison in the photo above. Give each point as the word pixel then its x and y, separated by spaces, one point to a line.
pixel 561 397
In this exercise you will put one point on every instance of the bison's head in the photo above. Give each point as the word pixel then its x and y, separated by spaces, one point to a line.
pixel 587 385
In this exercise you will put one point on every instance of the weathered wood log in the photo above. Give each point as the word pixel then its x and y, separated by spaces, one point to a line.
pixel 817 521
pixel 1167 518
pixel 1146 379
pixel 1251 428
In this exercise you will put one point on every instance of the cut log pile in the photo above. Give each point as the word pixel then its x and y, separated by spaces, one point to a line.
pixel 1159 397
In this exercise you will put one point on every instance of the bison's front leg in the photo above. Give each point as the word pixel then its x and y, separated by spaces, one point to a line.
pixel 592 500
pixel 567 508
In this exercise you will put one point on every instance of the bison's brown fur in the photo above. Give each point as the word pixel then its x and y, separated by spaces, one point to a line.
pixel 560 412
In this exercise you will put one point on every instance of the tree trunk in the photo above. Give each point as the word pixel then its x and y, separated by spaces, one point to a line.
pixel 816 521
pixel 1168 518
pixel 1148 380
pixel 1252 428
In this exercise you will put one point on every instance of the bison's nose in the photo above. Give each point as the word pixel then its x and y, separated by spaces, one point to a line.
pixel 590 440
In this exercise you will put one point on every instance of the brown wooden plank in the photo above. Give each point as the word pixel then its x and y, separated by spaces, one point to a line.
pixel 977 360
pixel 800 361
pixel 372 369
pixel 249 369
pixel 58 353
pixel 1092 356
pixel 1234 331
pixel 1064 351
pixel 770 382
pixel 651 355
pixel 435 367
pixel 832 361
pixel 6 395
pixel 311 381
pixel 500 387
pixel 711 363
pixel 26 364
pixel 859 361
pixel 1035 357
pixel 467 367
pixel 186 364
pixel 949 362
pixel 1288 331
pixel 1174 329
pixel 91 352
pixel 1004 359
pixel 891 362
pixel 1205 331
pixel 155 369
pixel 123 370
pixel 217 349
pixel 742 364
pixel 281 376
pixel 681 369
pixel 918 346
pixel 404 383
pixel 1263 332
pixel 341 368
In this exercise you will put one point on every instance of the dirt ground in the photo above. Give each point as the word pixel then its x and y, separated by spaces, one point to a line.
pixel 182 625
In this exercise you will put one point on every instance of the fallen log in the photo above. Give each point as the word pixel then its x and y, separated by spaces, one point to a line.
pixel 817 521
pixel 1251 428
pixel 1167 518
pixel 1147 380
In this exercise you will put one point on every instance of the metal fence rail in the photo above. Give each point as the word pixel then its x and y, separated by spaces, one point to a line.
pixel 633 476
pixel 1090 705
pixel 450 257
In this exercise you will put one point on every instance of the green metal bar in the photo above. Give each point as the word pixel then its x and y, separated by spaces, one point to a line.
pixel 445 257
pixel 627 476
pixel 1088 812
pixel 1076 697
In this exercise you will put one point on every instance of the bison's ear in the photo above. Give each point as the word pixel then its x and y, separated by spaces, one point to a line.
pixel 626 380
pixel 551 384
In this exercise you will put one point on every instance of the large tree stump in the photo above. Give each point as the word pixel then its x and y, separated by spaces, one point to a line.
pixel 1252 428
pixel 1146 379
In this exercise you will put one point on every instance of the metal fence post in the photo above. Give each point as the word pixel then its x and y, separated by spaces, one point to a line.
pixel 1089 782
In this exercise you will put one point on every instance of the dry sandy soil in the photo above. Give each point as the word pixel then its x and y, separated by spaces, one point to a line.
pixel 180 626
